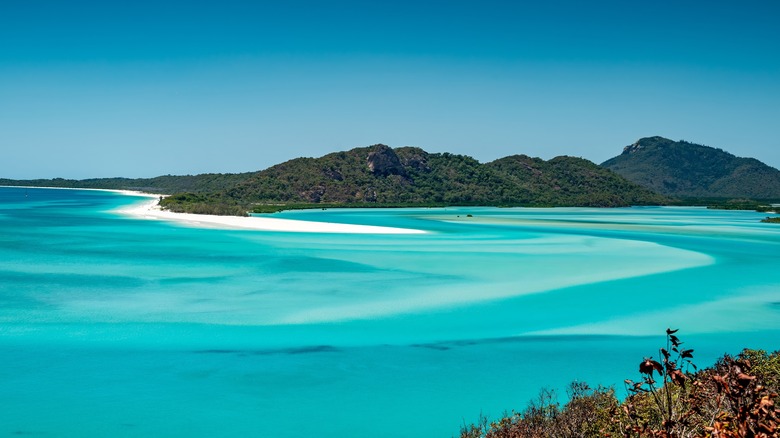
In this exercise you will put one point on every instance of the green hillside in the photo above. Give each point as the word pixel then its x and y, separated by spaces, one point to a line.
pixel 380 176
pixel 679 168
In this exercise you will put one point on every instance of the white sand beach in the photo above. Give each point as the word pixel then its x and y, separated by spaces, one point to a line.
pixel 151 210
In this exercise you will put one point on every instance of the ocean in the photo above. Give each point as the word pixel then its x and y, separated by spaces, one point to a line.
pixel 117 326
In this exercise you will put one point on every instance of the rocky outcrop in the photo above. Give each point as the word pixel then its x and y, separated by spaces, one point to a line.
pixel 382 161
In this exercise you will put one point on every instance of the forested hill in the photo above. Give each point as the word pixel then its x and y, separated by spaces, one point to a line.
pixel 679 168
pixel 382 176
pixel 379 175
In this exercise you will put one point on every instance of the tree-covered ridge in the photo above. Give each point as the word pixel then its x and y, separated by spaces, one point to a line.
pixel 575 180
pixel 382 176
pixel 411 176
pixel 680 168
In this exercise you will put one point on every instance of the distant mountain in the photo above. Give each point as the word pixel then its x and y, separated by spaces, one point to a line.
pixel 166 184
pixel 679 168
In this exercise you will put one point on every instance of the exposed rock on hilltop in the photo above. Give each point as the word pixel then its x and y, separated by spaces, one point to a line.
pixel 383 161
pixel 679 168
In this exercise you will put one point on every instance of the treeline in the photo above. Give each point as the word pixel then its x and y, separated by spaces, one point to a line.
pixel 743 204
pixel 644 174
pixel 737 397
pixel 166 184
pixel 382 176
pixel 202 204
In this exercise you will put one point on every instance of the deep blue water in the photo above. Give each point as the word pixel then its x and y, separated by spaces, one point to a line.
pixel 116 326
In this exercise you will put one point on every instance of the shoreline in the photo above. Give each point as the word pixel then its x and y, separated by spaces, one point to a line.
pixel 151 211
pixel 121 191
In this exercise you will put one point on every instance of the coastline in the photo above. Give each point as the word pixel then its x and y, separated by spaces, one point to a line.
pixel 121 191
pixel 150 210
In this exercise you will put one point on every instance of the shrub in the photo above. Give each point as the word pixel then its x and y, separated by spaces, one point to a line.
pixel 737 397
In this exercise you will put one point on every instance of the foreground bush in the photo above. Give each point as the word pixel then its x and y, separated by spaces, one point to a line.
pixel 737 397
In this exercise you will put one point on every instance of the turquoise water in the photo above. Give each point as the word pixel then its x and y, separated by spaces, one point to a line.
pixel 115 326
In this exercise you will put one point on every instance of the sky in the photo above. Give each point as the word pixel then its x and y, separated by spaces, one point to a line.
pixel 145 88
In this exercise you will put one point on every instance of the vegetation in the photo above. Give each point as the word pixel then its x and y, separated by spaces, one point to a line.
pixel 771 220
pixel 680 168
pixel 737 397
pixel 742 204
pixel 275 208
pixel 380 176
pixel 202 204
pixel 167 184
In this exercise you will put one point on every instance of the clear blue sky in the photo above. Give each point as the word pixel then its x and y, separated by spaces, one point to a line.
pixel 143 88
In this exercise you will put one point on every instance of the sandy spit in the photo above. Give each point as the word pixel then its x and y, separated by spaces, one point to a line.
pixel 149 209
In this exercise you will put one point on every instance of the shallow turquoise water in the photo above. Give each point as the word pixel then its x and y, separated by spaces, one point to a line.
pixel 113 326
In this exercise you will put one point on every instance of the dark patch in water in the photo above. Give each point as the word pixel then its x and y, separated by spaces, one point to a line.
pixel 300 350
pixel 438 347
pixel 317 264
pixel 315 349
pixel 217 351
pixel 68 280
pixel 194 280
pixel 446 345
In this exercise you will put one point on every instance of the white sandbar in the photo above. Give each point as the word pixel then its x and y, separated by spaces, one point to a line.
pixel 151 210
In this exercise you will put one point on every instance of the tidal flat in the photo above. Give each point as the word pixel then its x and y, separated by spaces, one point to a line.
pixel 116 326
